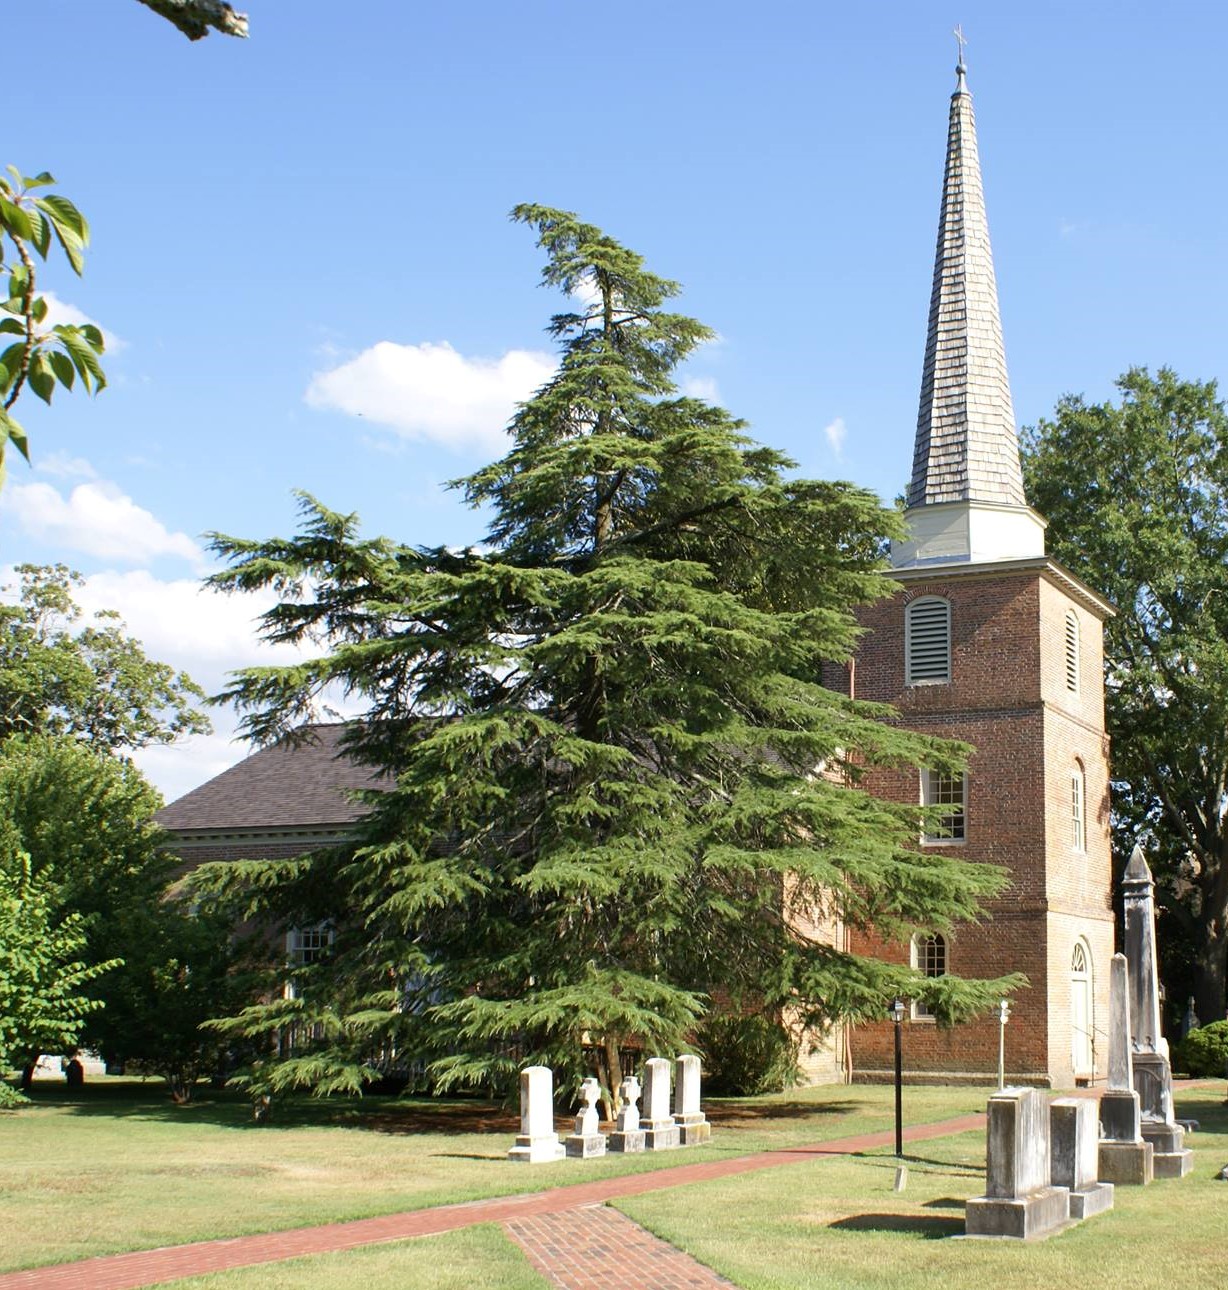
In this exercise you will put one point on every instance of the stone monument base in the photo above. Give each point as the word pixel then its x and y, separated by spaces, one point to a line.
pixel 631 1140
pixel 1095 1199
pixel 1128 1163
pixel 1039 1213
pixel 693 1131
pixel 536 1151
pixel 584 1146
pixel 1172 1164
pixel 660 1135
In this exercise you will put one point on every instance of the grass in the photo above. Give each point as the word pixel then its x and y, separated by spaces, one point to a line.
pixel 840 1224
pixel 479 1256
pixel 116 1166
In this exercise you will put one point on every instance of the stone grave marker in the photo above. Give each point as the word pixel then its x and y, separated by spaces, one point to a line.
pixel 660 1131
pixel 587 1140
pixel 1020 1201
pixel 537 1140
pixel 627 1135
pixel 1123 1157
pixel 693 1126
pixel 1153 1076
pixel 1074 1155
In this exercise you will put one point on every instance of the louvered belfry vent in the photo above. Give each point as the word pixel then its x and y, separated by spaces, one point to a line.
pixel 927 640
pixel 1072 653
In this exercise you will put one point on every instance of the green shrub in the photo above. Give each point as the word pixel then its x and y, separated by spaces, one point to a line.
pixel 746 1054
pixel 1204 1051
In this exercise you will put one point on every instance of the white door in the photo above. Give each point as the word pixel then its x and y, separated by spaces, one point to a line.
pixel 1081 1010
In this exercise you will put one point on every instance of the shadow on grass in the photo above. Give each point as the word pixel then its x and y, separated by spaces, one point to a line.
pixel 226 1108
pixel 729 1111
pixel 929 1229
pixel 952 1168
pixel 944 1202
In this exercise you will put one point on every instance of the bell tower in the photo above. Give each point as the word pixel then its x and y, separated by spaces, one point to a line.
pixel 991 642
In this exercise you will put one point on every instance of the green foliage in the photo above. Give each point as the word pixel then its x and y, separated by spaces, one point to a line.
pixel 602 732
pixel 1204 1052
pixel 747 1055
pixel 81 821
pixel 1136 495
pixel 93 682
pixel 41 357
pixel 43 1005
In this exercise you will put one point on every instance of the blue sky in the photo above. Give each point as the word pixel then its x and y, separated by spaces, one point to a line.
pixel 300 244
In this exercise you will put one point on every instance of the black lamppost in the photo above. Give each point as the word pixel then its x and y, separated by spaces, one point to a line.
pixel 897 1015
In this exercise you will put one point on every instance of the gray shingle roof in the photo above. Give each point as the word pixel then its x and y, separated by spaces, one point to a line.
pixel 284 786
pixel 966 446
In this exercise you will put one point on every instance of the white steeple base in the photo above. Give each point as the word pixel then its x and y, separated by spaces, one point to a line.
pixel 968 532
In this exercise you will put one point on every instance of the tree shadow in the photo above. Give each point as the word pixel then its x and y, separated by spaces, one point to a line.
pixel 728 1113
pixel 929 1228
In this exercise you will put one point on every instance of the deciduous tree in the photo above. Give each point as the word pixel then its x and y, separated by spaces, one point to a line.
pixel 1136 494
pixel 94 682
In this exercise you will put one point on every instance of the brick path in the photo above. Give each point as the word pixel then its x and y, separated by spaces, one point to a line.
pixel 597 1248
pixel 155 1267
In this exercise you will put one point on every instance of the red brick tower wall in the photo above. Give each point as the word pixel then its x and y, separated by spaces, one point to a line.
pixel 1006 697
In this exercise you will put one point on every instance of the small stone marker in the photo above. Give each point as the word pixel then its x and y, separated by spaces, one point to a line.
pixel 660 1131
pixel 1019 1199
pixel 587 1140
pixel 1124 1156
pixel 901 1178
pixel 627 1135
pixel 1153 1076
pixel 1074 1156
pixel 693 1126
pixel 537 1140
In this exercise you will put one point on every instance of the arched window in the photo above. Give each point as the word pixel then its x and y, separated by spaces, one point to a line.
pixel 1078 807
pixel 927 641
pixel 928 955
pixel 1072 652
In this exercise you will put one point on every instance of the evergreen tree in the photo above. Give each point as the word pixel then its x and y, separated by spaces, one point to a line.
pixel 615 784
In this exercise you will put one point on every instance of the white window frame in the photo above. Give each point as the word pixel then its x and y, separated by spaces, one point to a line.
pixel 306 945
pixel 938 789
pixel 1073 643
pixel 930 954
pixel 1078 808
pixel 935 667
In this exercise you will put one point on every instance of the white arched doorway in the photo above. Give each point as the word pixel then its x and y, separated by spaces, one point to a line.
pixel 1081 1021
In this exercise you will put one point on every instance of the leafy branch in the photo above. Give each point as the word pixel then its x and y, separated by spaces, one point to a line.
pixel 40 357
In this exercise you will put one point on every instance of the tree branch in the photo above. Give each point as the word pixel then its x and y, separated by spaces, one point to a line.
pixel 195 17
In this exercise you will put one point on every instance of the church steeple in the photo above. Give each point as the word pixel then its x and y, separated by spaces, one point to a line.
pixel 966 454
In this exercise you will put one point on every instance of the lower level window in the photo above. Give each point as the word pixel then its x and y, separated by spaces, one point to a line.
pixel 929 957
pixel 306 945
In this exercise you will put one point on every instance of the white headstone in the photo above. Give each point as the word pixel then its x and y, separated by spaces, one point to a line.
pixel 537 1140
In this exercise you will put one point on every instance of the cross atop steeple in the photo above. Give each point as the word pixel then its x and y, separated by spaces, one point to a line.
pixel 958 33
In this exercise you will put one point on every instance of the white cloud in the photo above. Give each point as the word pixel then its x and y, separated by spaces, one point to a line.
pixel 701 387
pixel 60 311
pixel 59 465
pixel 430 391
pixel 98 519
pixel 836 432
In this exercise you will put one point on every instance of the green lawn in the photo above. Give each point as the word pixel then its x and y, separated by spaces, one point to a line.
pixel 118 1167
pixel 840 1224
pixel 477 1257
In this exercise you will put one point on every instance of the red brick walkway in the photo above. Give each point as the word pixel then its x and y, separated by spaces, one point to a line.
pixel 597 1248
pixel 154 1267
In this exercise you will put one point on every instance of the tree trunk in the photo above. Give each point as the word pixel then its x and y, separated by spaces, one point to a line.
pixel 27 1073
pixel 612 1076
pixel 1210 965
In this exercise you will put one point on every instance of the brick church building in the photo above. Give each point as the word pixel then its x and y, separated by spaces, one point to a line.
pixel 992 642
pixel 989 641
